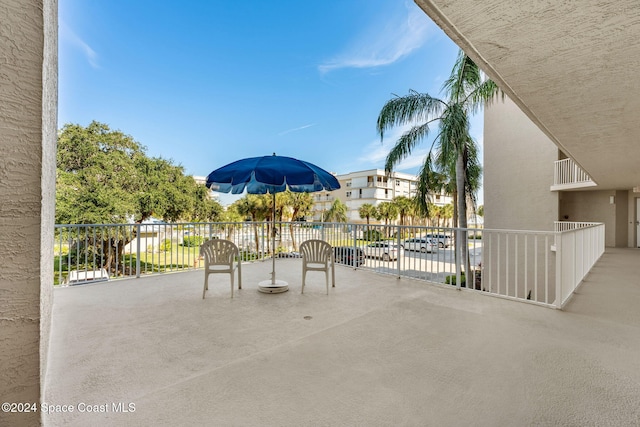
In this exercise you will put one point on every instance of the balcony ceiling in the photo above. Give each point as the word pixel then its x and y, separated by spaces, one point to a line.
pixel 571 67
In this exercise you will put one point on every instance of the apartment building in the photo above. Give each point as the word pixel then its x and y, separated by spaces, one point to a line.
pixel 371 186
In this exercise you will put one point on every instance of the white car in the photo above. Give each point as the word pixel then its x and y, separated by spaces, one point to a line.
pixel 421 244
pixel 384 250
pixel 443 240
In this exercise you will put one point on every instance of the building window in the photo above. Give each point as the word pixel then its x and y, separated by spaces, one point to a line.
pixel 348 193
pixel 397 182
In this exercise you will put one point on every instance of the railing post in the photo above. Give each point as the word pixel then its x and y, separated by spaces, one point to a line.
pixel 354 235
pixel 399 258
pixel 458 258
pixel 558 241
pixel 137 251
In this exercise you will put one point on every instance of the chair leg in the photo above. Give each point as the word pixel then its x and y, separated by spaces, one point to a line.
pixel 239 276
pixel 206 284
pixel 304 274
pixel 333 275
pixel 326 279
pixel 231 274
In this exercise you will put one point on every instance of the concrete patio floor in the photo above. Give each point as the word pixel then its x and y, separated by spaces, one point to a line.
pixel 376 351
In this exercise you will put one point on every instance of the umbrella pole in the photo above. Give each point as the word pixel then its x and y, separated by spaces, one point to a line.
pixel 273 243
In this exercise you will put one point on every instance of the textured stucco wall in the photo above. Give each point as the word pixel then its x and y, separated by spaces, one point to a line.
pixel 632 218
pixel 48 178
pixel 622 218
pixel 26 195
pixel 591 206
pixel 518 171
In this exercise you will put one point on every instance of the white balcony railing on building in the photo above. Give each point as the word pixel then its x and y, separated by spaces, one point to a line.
pixel 567 174
pixel 537 267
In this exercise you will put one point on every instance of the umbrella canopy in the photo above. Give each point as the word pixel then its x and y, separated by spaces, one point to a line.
pixel 271 174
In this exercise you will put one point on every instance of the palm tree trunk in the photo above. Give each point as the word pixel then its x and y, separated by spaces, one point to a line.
pixel 462 214
pixel 461 240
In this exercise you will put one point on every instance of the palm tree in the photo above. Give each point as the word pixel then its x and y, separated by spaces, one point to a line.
pixel 447 214
pixel 337 212
pixel 233 218
pixel 466 92
pixel 366 211
pixel 301 205
pixel 404 205
pixel 387 211
pixel 256 207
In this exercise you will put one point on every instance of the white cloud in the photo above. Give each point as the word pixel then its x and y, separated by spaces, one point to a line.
pixel 296 129
pixel 68 35
pixel 384 42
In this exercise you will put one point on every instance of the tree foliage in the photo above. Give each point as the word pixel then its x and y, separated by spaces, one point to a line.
pixel 336 213
pixel 453 148
pixel 105 176
pixel 367 211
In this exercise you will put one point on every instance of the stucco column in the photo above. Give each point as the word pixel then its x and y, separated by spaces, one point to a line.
pixel 28 123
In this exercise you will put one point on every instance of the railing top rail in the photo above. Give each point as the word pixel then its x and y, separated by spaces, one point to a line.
pixel 333 224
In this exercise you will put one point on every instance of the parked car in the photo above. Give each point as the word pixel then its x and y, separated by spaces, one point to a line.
pixel 349 255
pixel 442 240
pixel 385 250
pixel 421 244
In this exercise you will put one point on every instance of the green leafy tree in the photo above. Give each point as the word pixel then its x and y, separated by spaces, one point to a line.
pixel 337 212
pixel 388 212
pixel 448 214
pixel 105 177
pixel 466 91
pixel 255 207
pixel 301 205
pixel 205 209
pixel 232 219
pixel 367 211
pixel 97 179
pixel 405 207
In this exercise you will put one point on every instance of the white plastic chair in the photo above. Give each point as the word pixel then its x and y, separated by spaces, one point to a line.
pixel 317 255
pixel 220 257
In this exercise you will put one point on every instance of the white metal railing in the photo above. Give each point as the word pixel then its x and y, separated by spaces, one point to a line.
pixel 568 173
pixel 572 225
pixel 537 267
pixel 577 250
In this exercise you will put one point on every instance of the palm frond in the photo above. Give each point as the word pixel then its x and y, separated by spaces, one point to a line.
pixel 464 78
pixel 422 188
pixel 484 93
pixel 415 107
pixel 405 144
pixel 454 129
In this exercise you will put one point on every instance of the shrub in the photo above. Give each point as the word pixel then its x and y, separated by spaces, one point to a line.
pixel 165 246
pixel 451 280
pixel 372 235
pixel 248 255
pixel 192 241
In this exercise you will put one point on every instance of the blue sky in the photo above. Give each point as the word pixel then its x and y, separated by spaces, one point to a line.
pixel 204 83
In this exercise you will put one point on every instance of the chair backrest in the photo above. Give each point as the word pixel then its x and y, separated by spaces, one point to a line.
pixel 316 251
pixel 219 252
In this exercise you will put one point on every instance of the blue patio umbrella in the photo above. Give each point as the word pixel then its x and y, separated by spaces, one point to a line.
pixel 271 174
